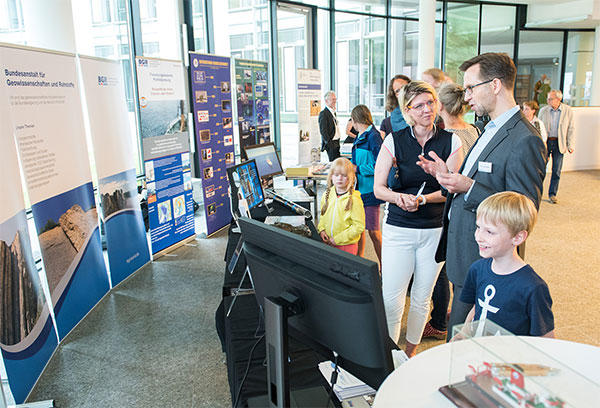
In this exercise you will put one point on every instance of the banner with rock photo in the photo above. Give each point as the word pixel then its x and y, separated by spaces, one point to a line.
pixel 211 90
pixel 114 151
pixel 27 336
pixel 45 108
pixel 166 148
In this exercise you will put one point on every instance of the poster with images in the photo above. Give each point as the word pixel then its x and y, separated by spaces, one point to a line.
pixel 45 108
pixel 114 151
pixel 253 108
pixel 169 184
pixel 166 151
pixel 309 107
pixel 27 335
pixel 211 88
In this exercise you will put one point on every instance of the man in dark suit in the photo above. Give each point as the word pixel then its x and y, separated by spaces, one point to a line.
pixel 509 155
pixel 328 126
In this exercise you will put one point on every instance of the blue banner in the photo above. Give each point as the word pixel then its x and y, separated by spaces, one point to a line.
pixel 211 87
pixel 169 184
pixel 67 228
pixel 251 78
pixel 124 225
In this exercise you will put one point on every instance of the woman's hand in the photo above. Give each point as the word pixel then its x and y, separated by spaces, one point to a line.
pixel 407 202
pixel 324 237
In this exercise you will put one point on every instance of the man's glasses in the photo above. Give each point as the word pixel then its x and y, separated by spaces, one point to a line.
pixel 420 107
pixel 469 89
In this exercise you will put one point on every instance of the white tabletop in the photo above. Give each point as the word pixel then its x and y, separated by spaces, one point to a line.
pixel 416 382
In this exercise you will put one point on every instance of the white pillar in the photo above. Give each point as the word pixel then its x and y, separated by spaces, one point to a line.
pixel 49 24
pixel 595 91
pixel 426 36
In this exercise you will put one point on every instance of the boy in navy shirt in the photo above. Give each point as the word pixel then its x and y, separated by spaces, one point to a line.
pixel 501 287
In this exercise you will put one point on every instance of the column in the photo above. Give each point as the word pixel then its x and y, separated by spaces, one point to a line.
pixel 426 36
pixel 49 24
pixel 595 91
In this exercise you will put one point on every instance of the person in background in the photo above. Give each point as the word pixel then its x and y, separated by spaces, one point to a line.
pixel 351 132
pixel 501 287
pixel 452 109
pixel 328 127
pixel 364 155
pixel 395 121
pixel 413 221
pixel 530 108
pixel 435 77
pixel 558 120
pixel 342 220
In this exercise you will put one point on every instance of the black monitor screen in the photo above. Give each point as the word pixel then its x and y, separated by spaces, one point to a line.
pixel 266 158
pixel 245 183
pixel 340 295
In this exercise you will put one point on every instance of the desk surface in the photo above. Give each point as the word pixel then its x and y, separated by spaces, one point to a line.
pixel 416 382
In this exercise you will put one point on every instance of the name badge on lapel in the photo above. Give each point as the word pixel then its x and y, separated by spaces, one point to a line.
pixel 484 167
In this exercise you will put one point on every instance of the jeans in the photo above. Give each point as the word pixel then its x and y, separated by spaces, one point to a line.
pixel 404 252
pixel 441 299
pixel 557 162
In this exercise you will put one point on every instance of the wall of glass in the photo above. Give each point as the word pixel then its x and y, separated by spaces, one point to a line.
pixel 578 69
pixel 462 26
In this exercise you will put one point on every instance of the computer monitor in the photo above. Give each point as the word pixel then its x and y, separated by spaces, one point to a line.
pixel 245 183
pixel 337 295
pixel 266 158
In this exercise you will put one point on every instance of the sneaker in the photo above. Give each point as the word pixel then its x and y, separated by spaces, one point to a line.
pixel 431 332
pixel 553 199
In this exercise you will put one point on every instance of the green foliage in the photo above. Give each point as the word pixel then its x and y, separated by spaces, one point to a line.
pixel 50 224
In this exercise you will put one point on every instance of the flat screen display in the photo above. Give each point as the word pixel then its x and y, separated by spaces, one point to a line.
pixel 245 183
pixel 266 159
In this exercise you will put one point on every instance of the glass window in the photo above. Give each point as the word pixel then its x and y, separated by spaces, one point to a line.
pixel 538 65
pixel 365 6
pixel 360 57
pixel 461 37
pixel 498 29
pixel 161 34
pixel 198 25
pixel 405 8
pixel 12 28
pixel 578 69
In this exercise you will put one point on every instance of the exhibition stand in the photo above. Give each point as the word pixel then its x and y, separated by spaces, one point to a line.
pixel 416 382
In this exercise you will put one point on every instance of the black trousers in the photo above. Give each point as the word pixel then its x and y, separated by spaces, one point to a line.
pixel 459 311
pixel 333 150
pixel 440 298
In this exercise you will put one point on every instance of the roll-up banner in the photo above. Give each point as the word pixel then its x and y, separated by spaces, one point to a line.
pixel 126 242
pixel 211 86
pixel 45 107
pixel 166 149
pixel 27 336
pixel 251 82
pixel 309 107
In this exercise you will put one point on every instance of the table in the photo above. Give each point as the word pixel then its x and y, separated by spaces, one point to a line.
pixel 314 178
pixel 416 382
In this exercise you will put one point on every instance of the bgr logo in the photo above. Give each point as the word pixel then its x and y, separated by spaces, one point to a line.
pixel 142 62
pixel 102 80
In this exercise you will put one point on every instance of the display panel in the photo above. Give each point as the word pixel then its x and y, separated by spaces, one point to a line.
pixel 245 183
pixel 266 158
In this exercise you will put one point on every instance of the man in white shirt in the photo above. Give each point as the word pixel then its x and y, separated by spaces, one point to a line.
pixel 328 126
pixel 558 120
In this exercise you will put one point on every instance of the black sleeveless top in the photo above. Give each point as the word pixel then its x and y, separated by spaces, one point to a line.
pixel 408 177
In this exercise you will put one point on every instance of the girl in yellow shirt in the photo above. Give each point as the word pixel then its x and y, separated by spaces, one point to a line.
pixel 342 219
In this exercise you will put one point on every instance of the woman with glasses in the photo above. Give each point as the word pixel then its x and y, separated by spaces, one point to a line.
pixel 415 205
pixel 530 109
pixel 395 121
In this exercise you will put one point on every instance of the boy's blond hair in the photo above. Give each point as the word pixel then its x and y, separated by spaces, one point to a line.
pixel 513 210
pixel 344 166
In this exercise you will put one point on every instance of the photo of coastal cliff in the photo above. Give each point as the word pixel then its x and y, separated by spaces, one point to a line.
pixel 21 295
pixel 118 192
pixel 69 220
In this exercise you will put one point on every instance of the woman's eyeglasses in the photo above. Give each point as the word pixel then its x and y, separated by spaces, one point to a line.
pixel 420 107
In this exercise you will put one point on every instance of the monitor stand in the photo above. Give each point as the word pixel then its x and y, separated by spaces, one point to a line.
pixel 277 311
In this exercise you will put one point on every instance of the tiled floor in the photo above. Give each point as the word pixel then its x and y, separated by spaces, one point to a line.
pixel 152 342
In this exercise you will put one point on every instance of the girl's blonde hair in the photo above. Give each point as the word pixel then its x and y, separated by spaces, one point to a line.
pixel 344 166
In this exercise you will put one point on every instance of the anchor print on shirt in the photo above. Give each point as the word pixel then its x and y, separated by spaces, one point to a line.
pixel 489 293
